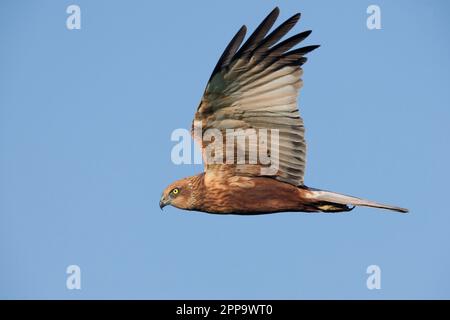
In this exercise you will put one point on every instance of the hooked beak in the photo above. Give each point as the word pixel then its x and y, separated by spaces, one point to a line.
pixel 162 203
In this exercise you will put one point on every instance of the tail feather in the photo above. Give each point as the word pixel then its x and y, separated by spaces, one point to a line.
pixel 337 198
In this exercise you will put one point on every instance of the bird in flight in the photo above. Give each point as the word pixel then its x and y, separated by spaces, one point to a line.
pixel 255 87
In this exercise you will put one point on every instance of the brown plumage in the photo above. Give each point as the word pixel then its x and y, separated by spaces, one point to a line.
pixel 255 86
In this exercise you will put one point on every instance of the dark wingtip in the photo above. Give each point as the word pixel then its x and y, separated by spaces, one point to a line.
pixel 307 33
pixel 294 19
pixel 242 31
pixel 308 49
pixel 273 14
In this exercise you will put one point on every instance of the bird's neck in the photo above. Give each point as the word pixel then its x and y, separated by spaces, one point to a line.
pixel 197 187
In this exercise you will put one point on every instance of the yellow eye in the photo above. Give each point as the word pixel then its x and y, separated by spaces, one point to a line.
pixel 175 191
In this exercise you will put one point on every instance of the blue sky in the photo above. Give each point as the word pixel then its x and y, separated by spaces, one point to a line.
pixel 85 123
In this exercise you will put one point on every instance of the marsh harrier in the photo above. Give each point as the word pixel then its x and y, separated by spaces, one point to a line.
pixel 255 86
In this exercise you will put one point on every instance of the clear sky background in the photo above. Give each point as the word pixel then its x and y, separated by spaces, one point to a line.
pixel 85 124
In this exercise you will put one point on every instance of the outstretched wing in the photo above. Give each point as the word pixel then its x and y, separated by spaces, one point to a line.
pixel 255 86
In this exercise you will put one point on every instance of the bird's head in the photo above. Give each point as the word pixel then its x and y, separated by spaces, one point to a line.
pixel 181 194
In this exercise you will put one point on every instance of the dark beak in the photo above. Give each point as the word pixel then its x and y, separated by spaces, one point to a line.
pixel 162 204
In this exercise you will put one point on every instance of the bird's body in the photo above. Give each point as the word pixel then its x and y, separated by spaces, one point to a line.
pixel 252 195
pixel 225 193
pixel 254 88
pixel 245 195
